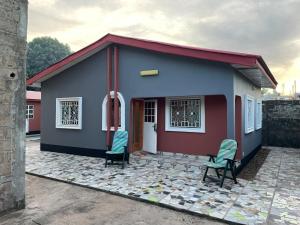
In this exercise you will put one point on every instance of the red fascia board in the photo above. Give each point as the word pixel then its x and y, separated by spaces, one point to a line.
pixel 67 60
pixel 266 70
pixel 199 53
pixel 212 55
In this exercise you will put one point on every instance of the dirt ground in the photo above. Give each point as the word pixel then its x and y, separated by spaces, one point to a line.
pixel 56 203
pixel 250 170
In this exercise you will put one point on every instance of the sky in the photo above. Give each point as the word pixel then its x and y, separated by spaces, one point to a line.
pixel 270 28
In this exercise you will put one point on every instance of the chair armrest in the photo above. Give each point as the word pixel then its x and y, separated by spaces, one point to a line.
pixel 211 157
pixel 108 147
pixel 230 160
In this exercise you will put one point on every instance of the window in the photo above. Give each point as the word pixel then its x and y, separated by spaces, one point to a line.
pixel 121 112
pixel 185 114
pixel 249 114
pixel 30 112
pixel 149 112
pixel 69 113
pixel 258 120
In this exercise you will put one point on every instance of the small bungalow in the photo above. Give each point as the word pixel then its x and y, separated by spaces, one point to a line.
pixel 170 98
pixel 33 112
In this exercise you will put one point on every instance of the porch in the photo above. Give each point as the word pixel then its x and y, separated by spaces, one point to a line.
pixel 175 181
pixel 194 125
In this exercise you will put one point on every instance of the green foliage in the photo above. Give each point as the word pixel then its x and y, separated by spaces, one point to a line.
pixel 43 52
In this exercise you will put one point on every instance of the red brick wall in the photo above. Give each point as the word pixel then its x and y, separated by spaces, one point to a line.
pixel 34 124
pixel 195 143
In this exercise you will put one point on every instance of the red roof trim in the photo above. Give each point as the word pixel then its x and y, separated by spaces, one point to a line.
pixel 199 53
pixel 266 70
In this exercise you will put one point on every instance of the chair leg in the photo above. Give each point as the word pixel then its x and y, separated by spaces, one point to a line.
pixel 217 172
pixel 224 175
pixel 128 159
pixel 123 161
pixel 205 173
pixel 233 173
pixel 106 162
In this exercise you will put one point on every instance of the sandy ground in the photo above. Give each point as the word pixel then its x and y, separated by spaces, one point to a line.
pixel 52 202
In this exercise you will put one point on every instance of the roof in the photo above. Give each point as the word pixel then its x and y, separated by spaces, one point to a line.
pixel 250 65
pixel 33 95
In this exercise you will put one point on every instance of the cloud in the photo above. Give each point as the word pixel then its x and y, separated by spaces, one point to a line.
pixel 266 27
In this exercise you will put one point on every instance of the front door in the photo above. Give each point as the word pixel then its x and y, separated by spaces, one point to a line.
pixel 138 122
pixel 150 125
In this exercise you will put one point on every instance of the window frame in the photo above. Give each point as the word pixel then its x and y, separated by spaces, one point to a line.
pixel 27 112
pixel 122 114
pixel 249 127
pixel 201 129
pixel 58 113
pixel 258 112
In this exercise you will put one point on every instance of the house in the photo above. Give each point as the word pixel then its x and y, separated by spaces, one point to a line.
pixel 170 98
pixel 33 112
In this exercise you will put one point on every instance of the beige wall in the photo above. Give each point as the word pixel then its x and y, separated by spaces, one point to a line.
pixel 243 87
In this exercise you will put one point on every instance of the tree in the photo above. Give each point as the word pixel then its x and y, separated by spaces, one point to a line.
pixel 43 52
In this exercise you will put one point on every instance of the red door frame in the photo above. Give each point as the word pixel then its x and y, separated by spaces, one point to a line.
pixel 238 126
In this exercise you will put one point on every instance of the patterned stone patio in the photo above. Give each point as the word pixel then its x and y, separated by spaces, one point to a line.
pixel 174 180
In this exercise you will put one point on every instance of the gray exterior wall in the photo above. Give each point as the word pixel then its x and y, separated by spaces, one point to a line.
pixel 87 80
pixel 243 87
pixel 178 76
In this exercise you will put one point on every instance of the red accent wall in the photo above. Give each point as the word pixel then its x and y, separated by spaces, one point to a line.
pixel 238 125
pixel 195 143
pixel 34 124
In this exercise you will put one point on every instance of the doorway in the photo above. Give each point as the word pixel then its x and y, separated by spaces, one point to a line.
pixel 145 125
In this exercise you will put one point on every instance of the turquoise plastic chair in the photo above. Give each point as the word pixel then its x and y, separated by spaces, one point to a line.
pixel 224 160
pixel 118 150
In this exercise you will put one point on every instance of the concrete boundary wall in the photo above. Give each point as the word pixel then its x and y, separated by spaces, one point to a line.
pixel 281 123
pixel 13 30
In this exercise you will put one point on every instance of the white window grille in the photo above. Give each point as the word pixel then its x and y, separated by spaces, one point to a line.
pixel 121 112
pixel 30 112
pixel 249 114
pixel 185 114
pixel 69 113
pixel 258 120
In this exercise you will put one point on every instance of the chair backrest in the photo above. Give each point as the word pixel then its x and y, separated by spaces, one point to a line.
pixel 120 140
pixel 227 150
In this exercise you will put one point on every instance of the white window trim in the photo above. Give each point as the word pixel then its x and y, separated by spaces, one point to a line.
pixel 249 127
pixel 258 118
pixel 58 113
pixel 104 116
pixel 185 129
pixel 27 112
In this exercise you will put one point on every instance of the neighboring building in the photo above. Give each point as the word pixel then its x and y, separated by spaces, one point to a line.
pixel 170 98
pixel 33 112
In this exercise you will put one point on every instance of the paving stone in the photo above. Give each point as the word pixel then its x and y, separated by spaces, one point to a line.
pixel 176 180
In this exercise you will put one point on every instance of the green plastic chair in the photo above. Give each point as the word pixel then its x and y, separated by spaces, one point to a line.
pixel 118 150
pixel 223 161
